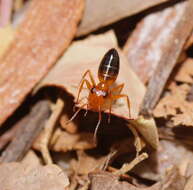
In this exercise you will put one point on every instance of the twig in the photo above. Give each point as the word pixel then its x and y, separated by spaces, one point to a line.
pixel 128 166
pixel 169 59
pixel 9 135
pixel 57 109
pixel 27 133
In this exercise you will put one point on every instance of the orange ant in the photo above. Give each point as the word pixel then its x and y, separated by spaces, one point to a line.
pixel 101 95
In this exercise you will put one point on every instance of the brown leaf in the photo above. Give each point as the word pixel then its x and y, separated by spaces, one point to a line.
pixel 173 180
pixel 176 106
pixel 145 47
pixel 99 13
pixel 169 154
pixel 21 177
pixel 6 36
pixel 62 141
pixel 148 129
pixel 38 43
pixel 88 163
pixel 171 54
pixel 70 127
pixel 189 184
pixel 89 53
pixel 185 72
pixel 31 159
pixel 105 181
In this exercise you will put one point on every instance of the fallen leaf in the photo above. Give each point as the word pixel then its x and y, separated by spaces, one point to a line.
pixel 145 47
pixel 38 43
pixel 148 129
pixel 173 180
pixel 6 37
pixel 106 180
pixel 189 184
pixel 169 154
pixel 171 55
pixel 70 127
pixel 175 105
pixel 88 163
pixel 31 159
pixel 19 176
pixel 129 166
pixel 89 53
pixel 99 13
pixel 185 72
pixel 62 141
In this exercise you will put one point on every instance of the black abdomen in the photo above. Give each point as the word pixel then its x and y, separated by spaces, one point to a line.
pixel 109 66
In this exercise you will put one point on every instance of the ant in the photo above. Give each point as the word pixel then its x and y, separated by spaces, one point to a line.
pixel 102 95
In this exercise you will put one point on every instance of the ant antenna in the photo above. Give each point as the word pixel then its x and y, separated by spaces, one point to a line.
pixel 75 114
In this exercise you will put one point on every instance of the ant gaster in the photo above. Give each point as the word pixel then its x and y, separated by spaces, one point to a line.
pixel 102 95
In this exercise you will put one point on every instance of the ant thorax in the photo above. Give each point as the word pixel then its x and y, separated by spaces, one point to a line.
pixel 99 92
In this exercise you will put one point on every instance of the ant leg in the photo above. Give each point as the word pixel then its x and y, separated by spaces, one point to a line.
pixel 115 97
pixel 86 111
pixel 76 113
pixel 109 114
pixel 97 126
pixel 90 75
pixel 81 87
pixel 117 89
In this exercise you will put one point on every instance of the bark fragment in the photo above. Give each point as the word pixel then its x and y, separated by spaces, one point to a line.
pixel 43 35
pixel 170 56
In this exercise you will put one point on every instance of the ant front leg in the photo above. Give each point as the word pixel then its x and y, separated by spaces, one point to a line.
pixel 90 76
pixel 89 86
pixel 115 97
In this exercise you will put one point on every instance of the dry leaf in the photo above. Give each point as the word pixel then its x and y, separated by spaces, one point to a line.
pixel 70 127
pixel 173 180
pixel 169 154
pixel 19 176
pixel 106 181
pixel 31 159
pixel 62 141
pixel 99 13
pixel 172 50
pixel 148 129
pixel 185 72
pixel 189 184
pixel 6 36
pixel 129 166
pixel 146 45
pixel 87 54
pixel 38 43
pixel 88 163
pixel 175 105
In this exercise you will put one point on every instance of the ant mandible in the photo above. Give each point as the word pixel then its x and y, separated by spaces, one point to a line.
pixel 102 95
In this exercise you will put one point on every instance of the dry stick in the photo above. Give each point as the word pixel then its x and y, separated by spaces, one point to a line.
pixel 128 166
pixel 168 61
pixel 6 137
pixel 57 109
pixel 27 133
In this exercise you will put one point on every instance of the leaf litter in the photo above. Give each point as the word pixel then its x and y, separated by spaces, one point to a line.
pixel 139 153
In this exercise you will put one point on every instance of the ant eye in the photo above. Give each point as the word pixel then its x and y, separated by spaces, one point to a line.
pixel 92 90
pixel 105 94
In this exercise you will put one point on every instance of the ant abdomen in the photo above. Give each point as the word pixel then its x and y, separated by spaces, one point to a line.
pixel 109 67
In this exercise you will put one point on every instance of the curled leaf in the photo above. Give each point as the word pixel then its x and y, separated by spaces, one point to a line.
pixel 87 54
pixel 21 177
pixel 147 128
